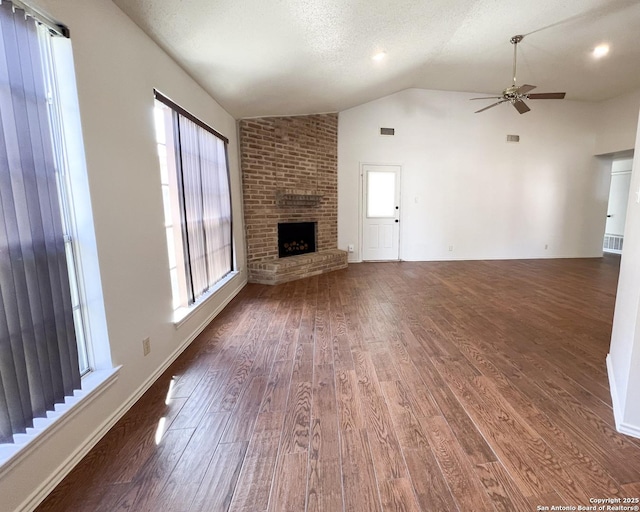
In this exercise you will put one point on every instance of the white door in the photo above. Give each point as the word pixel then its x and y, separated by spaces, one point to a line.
pixel 381 202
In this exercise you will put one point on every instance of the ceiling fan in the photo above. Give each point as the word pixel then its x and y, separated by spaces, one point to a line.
pixel 517 94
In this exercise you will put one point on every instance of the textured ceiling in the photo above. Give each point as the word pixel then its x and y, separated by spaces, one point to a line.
pixel 284 57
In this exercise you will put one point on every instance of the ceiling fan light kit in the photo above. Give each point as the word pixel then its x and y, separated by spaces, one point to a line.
pixel 515 94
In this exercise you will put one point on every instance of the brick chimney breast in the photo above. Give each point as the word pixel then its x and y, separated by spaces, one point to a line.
pixel 290 174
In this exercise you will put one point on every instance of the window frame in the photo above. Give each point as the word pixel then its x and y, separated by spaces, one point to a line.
pixel 184 298
pixel 65 197
pixel 79 238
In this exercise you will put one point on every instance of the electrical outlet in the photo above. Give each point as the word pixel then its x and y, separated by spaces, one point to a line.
pixel 351 248
pixel 546 246
pixel 146 346
pixel 450 248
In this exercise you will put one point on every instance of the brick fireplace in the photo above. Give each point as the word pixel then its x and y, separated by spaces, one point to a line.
pixel 289 175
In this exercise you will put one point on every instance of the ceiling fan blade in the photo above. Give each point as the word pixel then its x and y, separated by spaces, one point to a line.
pixel 487 98
pixel 521 106
pixel 523 89
pixel 490 106
pixel 547 96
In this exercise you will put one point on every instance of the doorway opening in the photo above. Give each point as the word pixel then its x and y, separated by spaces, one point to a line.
pixel 617 207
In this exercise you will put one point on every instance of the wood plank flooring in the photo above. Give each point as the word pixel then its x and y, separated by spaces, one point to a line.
pixel 442 386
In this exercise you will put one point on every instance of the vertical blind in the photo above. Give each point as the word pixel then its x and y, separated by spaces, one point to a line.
pixel 205 200
pixel 206 205
pixel 38 352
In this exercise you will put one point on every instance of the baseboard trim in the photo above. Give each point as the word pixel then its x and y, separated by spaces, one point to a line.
pixel 70 462
pixel 629 430
pixel 621 426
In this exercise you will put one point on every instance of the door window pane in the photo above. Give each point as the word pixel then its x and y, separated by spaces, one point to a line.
pixel 381 193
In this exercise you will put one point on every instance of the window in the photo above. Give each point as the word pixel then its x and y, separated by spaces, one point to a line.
pixel 43 351
pixel 195 185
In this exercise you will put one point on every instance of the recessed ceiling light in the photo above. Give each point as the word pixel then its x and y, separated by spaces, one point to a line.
pixel 600 51
pixel 379 56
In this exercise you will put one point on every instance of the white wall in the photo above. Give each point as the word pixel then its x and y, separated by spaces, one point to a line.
pixel 464 185
pixel 117 68
pixel 616 123
pixel 617 132
pixel 623 362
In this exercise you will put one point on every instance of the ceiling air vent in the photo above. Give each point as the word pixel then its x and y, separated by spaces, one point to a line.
pixel 513 138
pixel 387 131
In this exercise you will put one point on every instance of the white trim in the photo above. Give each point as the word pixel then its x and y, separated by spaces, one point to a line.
pixel 361 165
pixel 65 468
pixel 93 385
pixel 181 315
pixel 80 210
pixel 621 426
pixel 629 430
pixel 617 411
pixel 40 493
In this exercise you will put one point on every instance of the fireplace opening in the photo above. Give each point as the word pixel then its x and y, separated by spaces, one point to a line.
pixel 296 238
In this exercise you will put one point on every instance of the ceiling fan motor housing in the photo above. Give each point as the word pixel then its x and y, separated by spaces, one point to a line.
pixel 510 92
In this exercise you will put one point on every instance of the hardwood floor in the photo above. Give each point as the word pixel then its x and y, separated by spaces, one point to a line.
pixel 448 386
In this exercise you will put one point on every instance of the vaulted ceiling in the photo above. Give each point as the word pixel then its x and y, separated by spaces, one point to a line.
pixel 285 57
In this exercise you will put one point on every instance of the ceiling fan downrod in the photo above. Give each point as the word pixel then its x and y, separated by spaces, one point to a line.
pixel 514 41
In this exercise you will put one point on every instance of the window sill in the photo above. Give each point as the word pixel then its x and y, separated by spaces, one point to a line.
pixel 181 315
pixel 93 385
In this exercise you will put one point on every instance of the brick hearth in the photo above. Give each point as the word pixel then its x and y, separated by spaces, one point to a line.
pixel 282 270
pixel 289 174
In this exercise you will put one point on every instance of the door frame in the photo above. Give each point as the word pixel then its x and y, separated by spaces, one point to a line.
pixel 615 173
pixel 361 212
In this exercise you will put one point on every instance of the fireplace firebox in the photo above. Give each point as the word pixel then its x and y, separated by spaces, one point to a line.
pixel 296 238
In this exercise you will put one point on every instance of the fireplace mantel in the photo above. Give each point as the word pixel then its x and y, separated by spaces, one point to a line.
pixel 292 197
